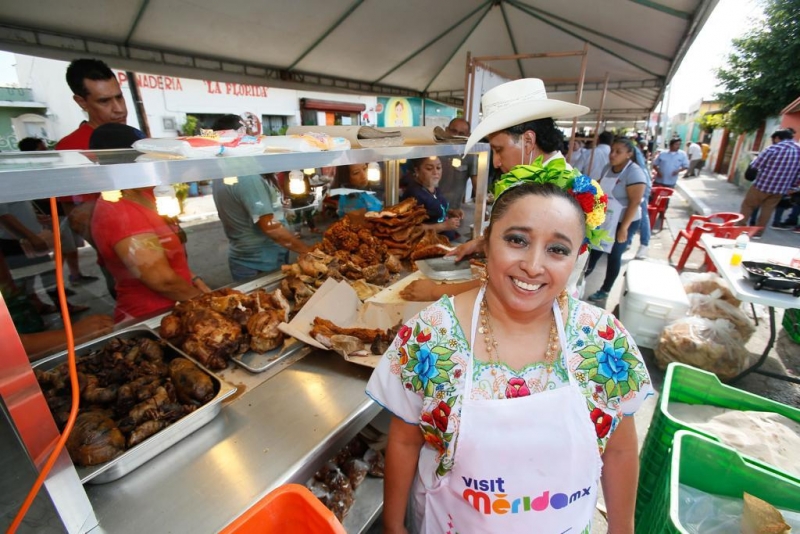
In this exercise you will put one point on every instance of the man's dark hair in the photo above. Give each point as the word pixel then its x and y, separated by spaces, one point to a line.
pixel 783 134
pixel 227 122
pixel 86 69
pixel 605 138
pixel 548 137
pixel 30 144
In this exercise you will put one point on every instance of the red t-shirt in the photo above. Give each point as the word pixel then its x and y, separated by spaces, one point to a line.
pixel 78 140
pixel 114 221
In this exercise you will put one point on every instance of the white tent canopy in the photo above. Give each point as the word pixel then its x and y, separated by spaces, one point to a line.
pixel 384 47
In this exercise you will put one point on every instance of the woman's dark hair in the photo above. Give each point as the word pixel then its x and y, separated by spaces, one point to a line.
pixel 511 195
pixel 548 137
pixel 633 149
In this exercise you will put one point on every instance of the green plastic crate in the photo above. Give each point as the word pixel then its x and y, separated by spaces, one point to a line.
pixel 791 323
pixel 690 385
pixel 714 468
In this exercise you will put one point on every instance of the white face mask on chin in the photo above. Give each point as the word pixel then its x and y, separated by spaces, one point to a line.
pixel 522 151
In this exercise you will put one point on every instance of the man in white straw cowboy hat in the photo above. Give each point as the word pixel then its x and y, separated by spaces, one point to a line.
pixel 519 121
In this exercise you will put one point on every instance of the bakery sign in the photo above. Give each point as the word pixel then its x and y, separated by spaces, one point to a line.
pixel 149 81
pixel 172 83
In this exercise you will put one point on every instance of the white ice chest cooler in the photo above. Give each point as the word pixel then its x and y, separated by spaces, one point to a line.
pixel 653 297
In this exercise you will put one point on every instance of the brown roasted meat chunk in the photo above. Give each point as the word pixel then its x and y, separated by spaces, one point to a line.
pixel 263 329
pixel 192 386
pixel 95 439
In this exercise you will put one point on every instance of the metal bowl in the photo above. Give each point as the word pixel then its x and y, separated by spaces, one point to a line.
pixel 765 275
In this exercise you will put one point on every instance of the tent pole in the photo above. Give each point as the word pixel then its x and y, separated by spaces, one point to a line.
pixel 599 118
pixel 581 78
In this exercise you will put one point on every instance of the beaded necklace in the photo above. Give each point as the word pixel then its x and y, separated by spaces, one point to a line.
pixel 492 345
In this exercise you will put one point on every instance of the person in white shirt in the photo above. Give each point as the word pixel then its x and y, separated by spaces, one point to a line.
pixel 695 154
pixel 597 157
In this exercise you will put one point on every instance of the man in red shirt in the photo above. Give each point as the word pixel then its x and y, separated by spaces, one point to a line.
pixel 96 90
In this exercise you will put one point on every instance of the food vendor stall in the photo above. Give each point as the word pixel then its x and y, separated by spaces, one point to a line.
pixel 281 425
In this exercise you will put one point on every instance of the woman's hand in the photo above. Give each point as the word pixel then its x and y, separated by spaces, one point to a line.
pixel 451 224
pixel 423 290
pixel 622 234
pixel 201 285
pixel 473 246
pixel 456 213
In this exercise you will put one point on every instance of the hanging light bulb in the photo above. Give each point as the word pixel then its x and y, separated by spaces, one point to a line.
pixel 111 196
pixel 456 162
pixel 297 185
pixel 230 180
pixel 309 172
pixel 373 172
pixel 166 201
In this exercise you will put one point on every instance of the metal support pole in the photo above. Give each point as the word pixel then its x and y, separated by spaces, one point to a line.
pixel 392 182
pixel 581 78
pixel 599 118
pixel 141 115
pixel 481 190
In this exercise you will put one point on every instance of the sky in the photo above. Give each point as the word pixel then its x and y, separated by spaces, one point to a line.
pixel 694 80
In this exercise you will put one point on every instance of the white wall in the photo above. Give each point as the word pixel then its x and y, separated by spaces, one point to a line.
pixel 169 97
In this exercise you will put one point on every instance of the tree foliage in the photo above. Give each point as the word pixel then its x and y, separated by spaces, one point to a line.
pixel 763 72
pixel 712 121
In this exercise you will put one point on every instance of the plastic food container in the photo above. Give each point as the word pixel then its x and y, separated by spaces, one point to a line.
pixel 290 508
pixel 653 297
pixel 714 468
pixel 689 385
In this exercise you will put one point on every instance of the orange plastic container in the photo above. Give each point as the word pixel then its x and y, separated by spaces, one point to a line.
pixel 290 508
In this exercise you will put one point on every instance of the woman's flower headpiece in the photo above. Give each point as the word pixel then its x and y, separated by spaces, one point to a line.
pixel 585 190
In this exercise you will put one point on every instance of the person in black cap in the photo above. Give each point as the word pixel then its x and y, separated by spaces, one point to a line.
pixel 144 254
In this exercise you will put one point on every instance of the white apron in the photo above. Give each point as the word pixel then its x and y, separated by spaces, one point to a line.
pixel 528 464
pixel 614 208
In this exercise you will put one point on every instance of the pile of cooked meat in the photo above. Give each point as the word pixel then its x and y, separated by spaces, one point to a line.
pixel 216 326
pixel 399 228
pixel 336 482
pixel 360 254
pixel 129 391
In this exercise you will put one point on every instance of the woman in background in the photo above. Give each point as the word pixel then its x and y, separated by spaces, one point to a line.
pixel 425 189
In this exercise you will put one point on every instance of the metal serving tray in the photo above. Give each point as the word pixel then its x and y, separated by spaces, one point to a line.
pixel 445 268
pixel 159 442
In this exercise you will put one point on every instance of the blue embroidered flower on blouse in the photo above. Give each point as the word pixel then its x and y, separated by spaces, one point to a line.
pixel 426 368
pixel 611 363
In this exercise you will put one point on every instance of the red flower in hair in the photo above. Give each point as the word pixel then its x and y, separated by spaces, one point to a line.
pixel 604 199
pixel 586 200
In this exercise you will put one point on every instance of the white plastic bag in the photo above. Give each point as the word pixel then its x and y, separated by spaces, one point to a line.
pixel 712 345
pixel 704 513
pixel 712 306
pixel 707 283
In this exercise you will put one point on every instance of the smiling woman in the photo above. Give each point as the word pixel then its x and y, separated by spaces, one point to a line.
pixel 514 384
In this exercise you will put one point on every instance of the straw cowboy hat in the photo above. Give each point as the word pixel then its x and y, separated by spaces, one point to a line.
pixel 516 102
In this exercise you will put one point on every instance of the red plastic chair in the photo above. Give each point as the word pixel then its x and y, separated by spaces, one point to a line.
pixel 730 232
pixel 657 205
pixel 696 227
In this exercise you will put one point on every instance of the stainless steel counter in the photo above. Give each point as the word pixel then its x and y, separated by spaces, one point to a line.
pixel 281 431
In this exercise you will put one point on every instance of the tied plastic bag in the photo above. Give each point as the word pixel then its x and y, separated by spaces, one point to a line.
pixel 705 513
pixel 708 344
pixel 707 283
pixel 712 306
